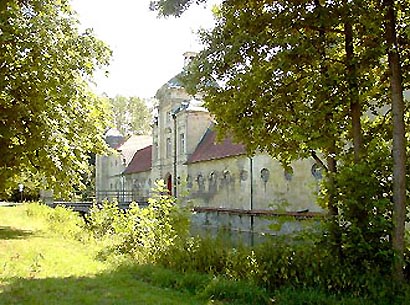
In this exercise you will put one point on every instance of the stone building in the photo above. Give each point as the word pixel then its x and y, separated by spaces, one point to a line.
pixel 110 179
pixel 216 177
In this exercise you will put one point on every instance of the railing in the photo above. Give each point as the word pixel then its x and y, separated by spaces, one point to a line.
pixel 121 196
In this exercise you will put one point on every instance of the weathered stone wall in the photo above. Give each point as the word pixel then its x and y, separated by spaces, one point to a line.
pixel 138 186
pixel 226 183
pixel 108 176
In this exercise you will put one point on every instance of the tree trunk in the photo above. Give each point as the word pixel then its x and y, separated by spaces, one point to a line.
pixel 399 142
pixel 353 94
pixel 332 170
pixel 331 153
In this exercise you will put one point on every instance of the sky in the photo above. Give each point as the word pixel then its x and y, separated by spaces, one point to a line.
pixel 147 50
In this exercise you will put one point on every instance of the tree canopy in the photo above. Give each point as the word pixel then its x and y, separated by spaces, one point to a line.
pixel 131 115
pixel 172 7
pixel 296 77
pixel 49 119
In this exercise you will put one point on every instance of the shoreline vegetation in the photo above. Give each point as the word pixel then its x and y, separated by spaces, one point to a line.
pixel 144 256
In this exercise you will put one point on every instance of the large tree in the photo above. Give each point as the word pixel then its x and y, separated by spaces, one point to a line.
pixel 131 115
pixel 297 76
pixel 50 121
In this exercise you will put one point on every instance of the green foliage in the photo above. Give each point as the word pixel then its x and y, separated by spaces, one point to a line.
pixel 130 115
pixel 235 292
pixel 60 220
pixel 38 266
pixel 300 269
pixel 172 7
pixel 292 77
pixel 191 282
pixel 102 219
pixel 301 261
pixel 145 233
pixel 203 285
pixel 50 120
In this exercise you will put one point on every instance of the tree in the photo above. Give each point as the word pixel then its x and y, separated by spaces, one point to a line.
pixel 131 115
pixel 172 7
pixel 399 139
pixel 297 76
pixel 49 119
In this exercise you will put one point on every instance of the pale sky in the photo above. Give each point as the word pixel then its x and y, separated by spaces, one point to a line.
pixel 147 51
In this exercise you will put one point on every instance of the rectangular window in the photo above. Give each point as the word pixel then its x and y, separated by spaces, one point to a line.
pixel 182 144
pixel 168 148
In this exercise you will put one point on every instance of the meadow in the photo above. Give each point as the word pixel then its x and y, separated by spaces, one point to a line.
pixel 39 265
pixel 147 256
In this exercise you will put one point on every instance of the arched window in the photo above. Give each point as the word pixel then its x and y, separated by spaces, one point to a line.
pixel 135 184
pixel 244 175
pixel 227 176
pixel 212 181
pixel 288 173
pixel 265 174
pixel 201 182
pixel 189 181
pixel 316 171
pixel 212 177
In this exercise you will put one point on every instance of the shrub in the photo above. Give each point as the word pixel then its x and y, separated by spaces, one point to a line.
pixel 60 220
pixel 102 218
pixel 145 233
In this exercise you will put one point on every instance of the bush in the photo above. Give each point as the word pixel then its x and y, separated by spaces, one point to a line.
pixel 60 220
pixel 145 233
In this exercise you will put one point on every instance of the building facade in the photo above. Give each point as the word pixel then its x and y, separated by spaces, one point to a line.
pixel 212 176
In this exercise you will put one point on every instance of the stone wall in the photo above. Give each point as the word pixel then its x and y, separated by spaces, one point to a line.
pixel 226 183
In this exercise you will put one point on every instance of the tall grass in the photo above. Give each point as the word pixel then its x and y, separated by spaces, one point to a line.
pixel 298 270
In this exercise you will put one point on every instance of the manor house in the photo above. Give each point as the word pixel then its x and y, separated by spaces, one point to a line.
pixel 212 175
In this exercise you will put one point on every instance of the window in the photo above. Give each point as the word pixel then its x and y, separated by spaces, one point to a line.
pixel 316 171
pixel 189 181
pixel 227 176
pixel 201 182
pixel 136 185
pixel 244 175
pixel 212 181
pixel 288 173
pixel 169 148
pixel 182 144
pixel 265 175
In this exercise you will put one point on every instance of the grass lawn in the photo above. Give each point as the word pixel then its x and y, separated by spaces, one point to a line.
pixel 39 267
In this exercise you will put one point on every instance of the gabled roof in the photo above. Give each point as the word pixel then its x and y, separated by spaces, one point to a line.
pixel 209 149
pixel 141 162
pixel 129 147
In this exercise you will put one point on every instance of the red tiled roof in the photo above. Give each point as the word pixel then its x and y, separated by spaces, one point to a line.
pixel 210 149
pixel 141 162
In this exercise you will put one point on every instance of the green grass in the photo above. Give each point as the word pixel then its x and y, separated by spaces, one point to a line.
pixel 37 266
pixel 43 261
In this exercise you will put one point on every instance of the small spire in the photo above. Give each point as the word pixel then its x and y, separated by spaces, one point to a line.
pixel 188 57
